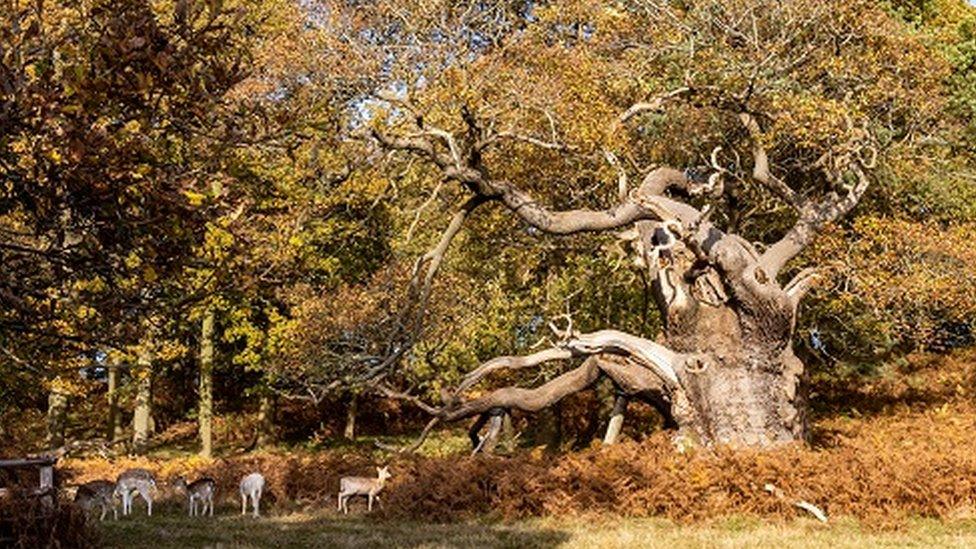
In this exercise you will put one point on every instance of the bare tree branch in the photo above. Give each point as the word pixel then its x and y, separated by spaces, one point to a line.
pixel 801 284
pixel 529 400
pixel 389 392
pixel 812 219
pixel 511 363
pixel 654 104
pixel 760 168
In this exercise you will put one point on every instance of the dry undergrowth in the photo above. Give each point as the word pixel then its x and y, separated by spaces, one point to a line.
pixel 898 447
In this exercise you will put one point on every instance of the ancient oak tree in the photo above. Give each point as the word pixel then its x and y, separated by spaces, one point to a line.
pixel 747 128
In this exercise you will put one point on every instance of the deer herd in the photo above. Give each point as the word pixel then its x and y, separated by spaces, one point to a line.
pixel 102 494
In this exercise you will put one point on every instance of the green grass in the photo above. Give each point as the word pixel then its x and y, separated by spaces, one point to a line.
pixel 169 528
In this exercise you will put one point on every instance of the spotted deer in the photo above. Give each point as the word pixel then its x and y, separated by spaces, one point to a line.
pixel 362 486
pixel 131 482
pixel 100 493
pixel 201 490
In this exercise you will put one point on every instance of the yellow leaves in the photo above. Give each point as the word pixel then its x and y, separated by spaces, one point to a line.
pixel 909 280
pixel 218 240
pixel 68 385
pixel 132 127
pixel 808 121
pixel 85 312
pixel 149 274
pixel 194 198
pixel 95 285
pixel 20 146
pixel 141 171
pixel 168 350
pixel 133 260
pixel 296 240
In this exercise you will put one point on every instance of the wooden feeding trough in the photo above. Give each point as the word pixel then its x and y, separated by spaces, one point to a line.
pixel 28 496
pixel 12 477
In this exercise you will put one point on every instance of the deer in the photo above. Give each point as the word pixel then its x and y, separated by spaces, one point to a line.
pixel 201 490
pixel 251 487
pixel 97 492
pixel 132 481
pixel 362 486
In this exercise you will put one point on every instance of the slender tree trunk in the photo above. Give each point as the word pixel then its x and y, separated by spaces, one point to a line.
pixel 350 430
pixel 205 415
pixel 57 411
pixel 266 426
pixel 114 427
pixel 142 414
pixel 616 420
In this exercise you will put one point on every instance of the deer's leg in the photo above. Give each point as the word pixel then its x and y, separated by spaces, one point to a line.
pixel 369 500
pixel 243 503
pixel 257 503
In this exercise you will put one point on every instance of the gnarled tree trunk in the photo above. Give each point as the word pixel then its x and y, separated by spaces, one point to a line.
pixel 742 386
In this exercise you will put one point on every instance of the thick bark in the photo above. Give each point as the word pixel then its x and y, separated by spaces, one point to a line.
pixel 744 389
pixel 205 415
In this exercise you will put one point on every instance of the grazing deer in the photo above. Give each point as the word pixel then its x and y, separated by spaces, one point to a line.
pixel 251 486
pixel 362 486
pixel 97 492
pixel 132 481
pixel 201 490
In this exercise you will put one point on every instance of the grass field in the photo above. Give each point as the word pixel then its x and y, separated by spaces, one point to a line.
pixel 171 529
